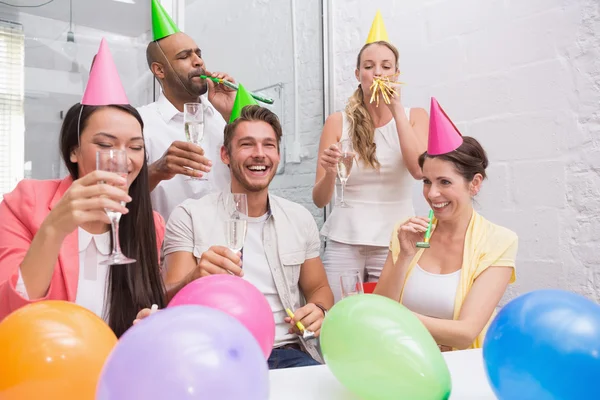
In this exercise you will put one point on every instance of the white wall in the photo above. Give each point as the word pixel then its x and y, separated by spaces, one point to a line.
pixel 253 43
pixel 54 81
pixel 523 77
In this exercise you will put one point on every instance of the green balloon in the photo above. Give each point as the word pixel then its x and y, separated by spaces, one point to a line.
pixel 380 350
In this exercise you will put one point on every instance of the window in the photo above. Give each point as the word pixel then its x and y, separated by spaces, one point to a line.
pixel 12 121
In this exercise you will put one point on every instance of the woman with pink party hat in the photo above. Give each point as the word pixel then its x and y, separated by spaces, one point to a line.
pixel 455 284
pixel 55 234
pixel 387 139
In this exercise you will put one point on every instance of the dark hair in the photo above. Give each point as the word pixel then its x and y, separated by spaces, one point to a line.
pixel 152 52
pixel 469 159
pixel 253 113
pixel 138 285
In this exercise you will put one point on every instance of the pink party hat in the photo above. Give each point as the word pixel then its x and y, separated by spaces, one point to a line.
pixel 444 137
pixel 104 86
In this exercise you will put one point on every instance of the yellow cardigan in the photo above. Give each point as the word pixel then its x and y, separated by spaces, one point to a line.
pixel 486 244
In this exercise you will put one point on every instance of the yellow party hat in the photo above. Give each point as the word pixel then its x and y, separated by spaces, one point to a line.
pixel 377 32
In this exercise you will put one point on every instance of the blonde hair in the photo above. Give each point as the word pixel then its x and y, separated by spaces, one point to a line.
pixel 362 127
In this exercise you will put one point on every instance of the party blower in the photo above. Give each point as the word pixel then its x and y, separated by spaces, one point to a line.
pixel 306 334
pixel 425 243
pixel 233 86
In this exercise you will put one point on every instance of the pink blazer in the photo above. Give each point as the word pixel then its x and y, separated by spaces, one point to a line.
pixel 21 214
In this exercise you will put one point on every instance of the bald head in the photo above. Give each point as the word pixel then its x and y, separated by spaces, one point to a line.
pixel 176 61
pixel 169 45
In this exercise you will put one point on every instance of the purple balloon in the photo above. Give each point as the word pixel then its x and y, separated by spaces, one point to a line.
pixel 186 352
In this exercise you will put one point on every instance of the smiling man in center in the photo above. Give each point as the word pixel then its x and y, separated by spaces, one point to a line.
pixel 282 245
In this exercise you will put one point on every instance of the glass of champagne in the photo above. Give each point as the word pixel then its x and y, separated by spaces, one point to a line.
pixel 351 284
pixel 114 161
pixel 236 205
pixel 344 166
pixel 193 120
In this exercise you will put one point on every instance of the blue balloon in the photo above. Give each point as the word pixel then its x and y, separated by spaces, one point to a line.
pixel 545 345
pixel 186 352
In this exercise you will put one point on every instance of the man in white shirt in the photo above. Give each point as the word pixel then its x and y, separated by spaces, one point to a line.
pixel 176 62
pixel 282 244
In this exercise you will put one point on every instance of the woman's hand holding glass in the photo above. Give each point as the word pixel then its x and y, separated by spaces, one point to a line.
pixel 115 161
pixel 86 200
pixel 329 159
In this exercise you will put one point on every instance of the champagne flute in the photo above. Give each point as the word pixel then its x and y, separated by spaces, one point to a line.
pixel 193 121
pixel 351 284
pixel 344 166
pixel 235 232
pixel 236 205
pixel 114 161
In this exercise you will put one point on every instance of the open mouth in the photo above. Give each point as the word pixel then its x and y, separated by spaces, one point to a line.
pixel 440 206
pixel 258 170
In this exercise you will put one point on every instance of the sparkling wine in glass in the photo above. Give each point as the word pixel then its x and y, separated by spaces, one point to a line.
pixel 235 232
pixel 114 161
pixel 236 206
pixel 193 122
pixel 344 166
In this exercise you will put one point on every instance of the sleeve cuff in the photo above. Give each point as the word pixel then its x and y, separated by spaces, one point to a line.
pixel 175 249
pixel 20 287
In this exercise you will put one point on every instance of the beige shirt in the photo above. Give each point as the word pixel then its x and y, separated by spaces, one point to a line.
pixel 290 237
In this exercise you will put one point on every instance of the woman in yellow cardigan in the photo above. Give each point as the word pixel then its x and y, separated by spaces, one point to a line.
pixel 454 286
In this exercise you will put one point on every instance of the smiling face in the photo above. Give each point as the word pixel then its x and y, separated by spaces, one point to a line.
pixel 376 59
pixel 448 193
pixel 252 155
pixel 110 128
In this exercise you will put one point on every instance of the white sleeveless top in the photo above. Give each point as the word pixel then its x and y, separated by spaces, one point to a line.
pixel 379 198
pixel 431 294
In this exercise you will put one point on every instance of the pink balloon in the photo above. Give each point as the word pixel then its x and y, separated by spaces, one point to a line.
pixel 236 297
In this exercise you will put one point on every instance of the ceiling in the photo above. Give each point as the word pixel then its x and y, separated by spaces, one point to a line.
pixel 107 15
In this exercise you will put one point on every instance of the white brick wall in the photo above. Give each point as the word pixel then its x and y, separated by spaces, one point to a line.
pixel 523 77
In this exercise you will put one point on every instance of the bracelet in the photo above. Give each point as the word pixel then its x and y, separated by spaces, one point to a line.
pixel 322 308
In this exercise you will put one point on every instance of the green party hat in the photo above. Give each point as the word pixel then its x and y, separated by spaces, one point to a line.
pixel 242 99
pixel 162 24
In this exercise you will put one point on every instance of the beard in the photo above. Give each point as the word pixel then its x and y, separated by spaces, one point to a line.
pixel 237 170
pixel 185 83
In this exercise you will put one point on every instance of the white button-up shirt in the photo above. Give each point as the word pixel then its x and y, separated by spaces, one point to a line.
pixel 163 124
pixel 93 277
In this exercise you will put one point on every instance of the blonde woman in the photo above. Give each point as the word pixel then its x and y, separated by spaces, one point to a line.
pixel 387 141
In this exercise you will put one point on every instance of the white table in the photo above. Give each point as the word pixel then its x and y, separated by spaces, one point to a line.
pixel 469 381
